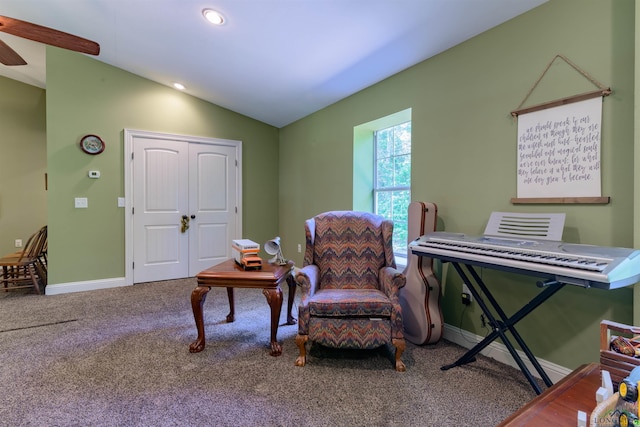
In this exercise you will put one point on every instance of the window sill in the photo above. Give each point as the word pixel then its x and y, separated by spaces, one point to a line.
pixel 401 263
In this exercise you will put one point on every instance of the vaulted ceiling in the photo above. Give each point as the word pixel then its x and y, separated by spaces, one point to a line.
pixel 273 60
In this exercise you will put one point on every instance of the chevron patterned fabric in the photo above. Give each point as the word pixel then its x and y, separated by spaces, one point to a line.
pixel 350 284
pixel 349 333
pixel 350 302
pixel 349 249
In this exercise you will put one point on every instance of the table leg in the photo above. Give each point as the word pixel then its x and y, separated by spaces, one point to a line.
pixel 232 306
pixel 292 294
pixel 274 298
pixel 198 296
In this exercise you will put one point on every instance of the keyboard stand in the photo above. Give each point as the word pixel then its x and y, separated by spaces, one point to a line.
pixel 501 323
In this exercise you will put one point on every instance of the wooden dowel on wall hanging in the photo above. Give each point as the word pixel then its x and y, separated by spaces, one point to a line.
pixel 563 101
pixel 566 200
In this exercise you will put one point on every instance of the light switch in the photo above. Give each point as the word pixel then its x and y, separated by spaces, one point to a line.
pixel 82 202
pixel 121 202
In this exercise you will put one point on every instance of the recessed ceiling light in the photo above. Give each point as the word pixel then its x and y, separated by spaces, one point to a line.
pixel 213 16
pixel 179 86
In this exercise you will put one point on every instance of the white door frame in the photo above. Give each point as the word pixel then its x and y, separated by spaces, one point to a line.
pixel 129 136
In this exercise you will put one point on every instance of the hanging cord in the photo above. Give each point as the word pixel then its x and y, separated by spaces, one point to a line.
pixel 464 310
pixel 605 90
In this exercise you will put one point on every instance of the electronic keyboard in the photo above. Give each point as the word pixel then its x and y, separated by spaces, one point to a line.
pixel 570 263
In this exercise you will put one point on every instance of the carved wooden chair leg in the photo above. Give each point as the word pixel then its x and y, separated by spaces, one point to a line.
pixel 301 340
pixel 400 345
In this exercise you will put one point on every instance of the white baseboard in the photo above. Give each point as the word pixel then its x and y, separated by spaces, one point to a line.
pixel 89 285
pixel 499 352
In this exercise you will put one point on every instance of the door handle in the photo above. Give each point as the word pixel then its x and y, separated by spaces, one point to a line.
pixel 185 223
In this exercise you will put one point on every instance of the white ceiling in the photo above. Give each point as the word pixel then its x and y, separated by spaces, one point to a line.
pixel 273 60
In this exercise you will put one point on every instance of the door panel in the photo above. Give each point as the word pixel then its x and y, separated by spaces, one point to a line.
pixel 156 247
pixel 212 200
pixel 161 250
pixel 173 178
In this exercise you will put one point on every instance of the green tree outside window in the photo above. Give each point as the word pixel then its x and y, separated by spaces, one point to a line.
pixel 392 190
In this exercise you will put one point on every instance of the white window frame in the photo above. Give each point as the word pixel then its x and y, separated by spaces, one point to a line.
pixel 363 162
pixel 401 257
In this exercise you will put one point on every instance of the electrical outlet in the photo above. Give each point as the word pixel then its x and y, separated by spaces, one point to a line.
pixel 18 243
pixel 465 290
pixel 466 298
pixel 299 248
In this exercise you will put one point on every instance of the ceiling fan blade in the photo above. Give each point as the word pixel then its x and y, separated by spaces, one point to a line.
pixel 9 56
pixel 38 33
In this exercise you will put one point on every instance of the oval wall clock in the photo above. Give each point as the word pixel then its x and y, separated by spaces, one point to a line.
pixel 92 144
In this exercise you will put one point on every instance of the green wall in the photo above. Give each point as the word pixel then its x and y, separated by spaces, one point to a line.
pixel 636 156
pixel 23 158
pixel 464 154
pixel 85 96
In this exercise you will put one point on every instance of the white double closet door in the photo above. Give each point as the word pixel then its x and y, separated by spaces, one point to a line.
pixel 184 211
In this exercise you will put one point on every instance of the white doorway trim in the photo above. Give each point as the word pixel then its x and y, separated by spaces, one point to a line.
pixel 129 136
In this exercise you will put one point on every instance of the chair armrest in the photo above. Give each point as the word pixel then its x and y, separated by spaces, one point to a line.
pixel 606 326
pixel 307 278
pixel 391 280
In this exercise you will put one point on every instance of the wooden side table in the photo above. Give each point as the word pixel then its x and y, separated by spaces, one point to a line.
pixel 229 275
pixel 559 404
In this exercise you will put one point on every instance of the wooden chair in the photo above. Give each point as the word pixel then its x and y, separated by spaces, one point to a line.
pixel 26 268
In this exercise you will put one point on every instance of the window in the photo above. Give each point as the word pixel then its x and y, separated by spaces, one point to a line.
pixel 392 180
pixel 382 173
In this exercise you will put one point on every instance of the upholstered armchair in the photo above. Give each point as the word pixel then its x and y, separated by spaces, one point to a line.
pixel 350 285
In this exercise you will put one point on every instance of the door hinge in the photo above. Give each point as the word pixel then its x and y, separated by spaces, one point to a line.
pixel 133 210
pixel 131 156
pixel 133 265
